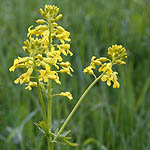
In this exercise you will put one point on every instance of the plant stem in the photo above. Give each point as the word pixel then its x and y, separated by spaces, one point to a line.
pixel 49 106
pixel 77 105
pixel 40 95
pixel 49 117
pixel 49 144
pixel 49 103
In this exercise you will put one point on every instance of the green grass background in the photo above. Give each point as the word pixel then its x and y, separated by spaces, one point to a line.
pixel 108 119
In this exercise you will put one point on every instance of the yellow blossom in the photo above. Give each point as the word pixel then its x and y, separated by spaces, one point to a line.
pixel 66 67
pixel 25 77
pixel 67 94
pixel 48 74
pixel 30 85
pixel 95 61
pixel 66 70
pixel 43 53
pixel 65 64
pixel 58 17
pixel 20 63
pixel 117 53
pixel 106 78
pixel 103 59
pixel 55 54
pixel 89 70
pixel 40 21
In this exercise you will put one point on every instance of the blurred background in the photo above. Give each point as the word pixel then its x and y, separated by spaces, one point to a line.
pixel 108 119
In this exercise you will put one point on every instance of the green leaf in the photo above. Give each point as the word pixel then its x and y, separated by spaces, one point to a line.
pixel 70 143
pixel 90 140
pixel 67 137
pixel 65 133
pixel 12 134
pixel 43 127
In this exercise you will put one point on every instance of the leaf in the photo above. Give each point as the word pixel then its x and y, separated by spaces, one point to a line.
pixel 70 143
pixel 37 125
pixel 63 138
pixel 12 134
pixel 43 127
pixel 67 137
pixel 65 133
pixel 90 140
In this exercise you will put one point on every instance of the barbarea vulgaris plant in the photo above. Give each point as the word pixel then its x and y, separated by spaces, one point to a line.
pixel 46 47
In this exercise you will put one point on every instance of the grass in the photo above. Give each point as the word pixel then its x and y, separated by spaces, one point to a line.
pixel 108 119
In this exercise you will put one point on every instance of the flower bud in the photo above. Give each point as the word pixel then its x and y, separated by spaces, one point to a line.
pixel 58 17
pixel 40 21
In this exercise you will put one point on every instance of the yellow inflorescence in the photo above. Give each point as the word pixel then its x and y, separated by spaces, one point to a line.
pixel 67 94
pixel 45 46
pixel 117 54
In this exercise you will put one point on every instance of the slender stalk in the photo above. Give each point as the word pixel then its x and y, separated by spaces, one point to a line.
pixel 40 95
pixel 49 103
pixel 49 106
pixel 49 117
pixel 77 105
pixel 49 26
pixel 49 143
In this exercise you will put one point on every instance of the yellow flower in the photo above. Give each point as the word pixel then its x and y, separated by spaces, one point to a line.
pixel 25 77
pixel 114 79
pixel 67 94
pixel 95 61
pixel 111 77
pixel 39 30
pixel 48 74
pixel 117 53
pixel 89 70
pixel 43 52
pixel 64 49
pixel 51 61
pixel 106 78
pixel 106 67
pixel 55 54
pixel 66 68
pixel 62 34
pixel 92 66
pixel 65 64
pixel 20 63
pixel 58 17
pixel 40 21
pixel 30 85
pixel 103 59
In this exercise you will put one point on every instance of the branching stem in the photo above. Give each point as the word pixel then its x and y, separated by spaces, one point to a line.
pixel 77 105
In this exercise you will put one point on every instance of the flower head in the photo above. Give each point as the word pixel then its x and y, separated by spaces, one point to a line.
pixel 117 54
pixel 46 45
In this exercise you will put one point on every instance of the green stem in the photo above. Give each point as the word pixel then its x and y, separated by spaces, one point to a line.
pixel 49 103
pixel 49 106
pixel 40 95
pixel 77 105
pixel 49 38
pixel 49 118
pixel 49 144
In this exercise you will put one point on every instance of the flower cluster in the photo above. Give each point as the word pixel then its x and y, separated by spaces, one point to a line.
pixel 45 46
pixel 116 53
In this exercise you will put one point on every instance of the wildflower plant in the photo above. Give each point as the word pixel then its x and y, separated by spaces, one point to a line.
pixel 46 47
